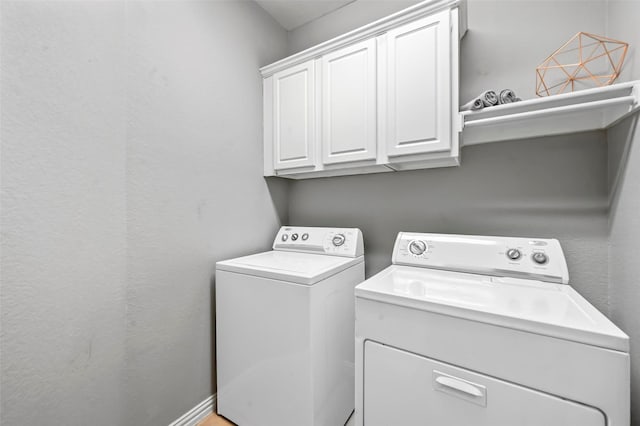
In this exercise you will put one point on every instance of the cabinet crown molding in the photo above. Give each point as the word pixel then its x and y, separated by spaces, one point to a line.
pixel 380 26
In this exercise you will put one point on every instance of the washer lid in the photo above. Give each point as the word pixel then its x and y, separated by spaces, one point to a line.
pixel 301 268
pixel 550 309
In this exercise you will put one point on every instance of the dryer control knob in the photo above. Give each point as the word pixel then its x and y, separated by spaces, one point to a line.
pixel 540 258
pixel 417 247
pixel 514 254
pixel 338 240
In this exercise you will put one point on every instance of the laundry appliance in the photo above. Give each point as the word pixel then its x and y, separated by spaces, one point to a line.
pixel 285 329
pixel 469 330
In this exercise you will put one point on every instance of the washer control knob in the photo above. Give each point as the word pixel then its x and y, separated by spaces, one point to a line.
pixel 305 236
pixel 514 254
pixel 294 237
pixel 338 240
pixel 540 258
pixel 285 237
pixel 417 247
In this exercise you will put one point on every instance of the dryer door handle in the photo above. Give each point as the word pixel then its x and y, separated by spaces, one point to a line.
pixel 455 386
pixel 459 385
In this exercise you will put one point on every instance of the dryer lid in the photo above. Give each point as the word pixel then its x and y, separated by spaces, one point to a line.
pixel 550 309
pixel 301 268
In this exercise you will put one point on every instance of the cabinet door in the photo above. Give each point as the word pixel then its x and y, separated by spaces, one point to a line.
pixel 294 117
pixel 402 388
pixel 419 87
pixel 349 104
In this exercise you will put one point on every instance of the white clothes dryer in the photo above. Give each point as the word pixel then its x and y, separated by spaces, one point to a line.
pixel 484 331
pixel 285 329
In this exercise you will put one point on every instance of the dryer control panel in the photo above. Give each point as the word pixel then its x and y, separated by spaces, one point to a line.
pixel 530 258
pixel 346 242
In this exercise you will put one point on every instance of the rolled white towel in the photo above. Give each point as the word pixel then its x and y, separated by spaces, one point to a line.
pixel 489 98
pixel 473 105
pixel 485 99
pixel 507 96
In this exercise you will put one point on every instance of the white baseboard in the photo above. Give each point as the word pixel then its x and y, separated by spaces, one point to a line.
pixel 197 413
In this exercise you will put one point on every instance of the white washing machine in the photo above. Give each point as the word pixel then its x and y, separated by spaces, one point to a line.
pixel 285 330
pixel 484 331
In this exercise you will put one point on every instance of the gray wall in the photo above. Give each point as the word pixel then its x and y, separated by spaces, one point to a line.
pixel 624 178
pixel 516 189
pixel 195 191
pixel 63 263
pixel 131 162
pixel 347 18
pixel 553 187
pixel 506 40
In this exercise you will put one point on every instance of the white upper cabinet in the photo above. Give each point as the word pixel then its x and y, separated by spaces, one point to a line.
pixel 349 104
pixel 418 108
pixel 294 136
pixel 381 98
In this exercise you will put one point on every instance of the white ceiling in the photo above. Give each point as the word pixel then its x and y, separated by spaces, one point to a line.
pixel 293 13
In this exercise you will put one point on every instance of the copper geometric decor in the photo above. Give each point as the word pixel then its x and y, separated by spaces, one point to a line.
pixel 585 61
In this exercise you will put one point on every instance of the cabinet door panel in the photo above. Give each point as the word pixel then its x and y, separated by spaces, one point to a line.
pixel 293 108
pixel 419 87
pixel 349 104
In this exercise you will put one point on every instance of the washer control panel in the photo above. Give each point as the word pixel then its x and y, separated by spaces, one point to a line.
pixel 532 258
pixel 332 241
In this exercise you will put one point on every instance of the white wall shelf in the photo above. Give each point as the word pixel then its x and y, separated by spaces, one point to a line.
pixel 585 110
